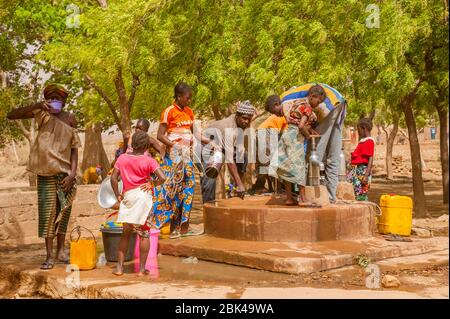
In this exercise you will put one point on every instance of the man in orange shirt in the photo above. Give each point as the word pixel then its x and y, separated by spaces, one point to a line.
pixel 273 125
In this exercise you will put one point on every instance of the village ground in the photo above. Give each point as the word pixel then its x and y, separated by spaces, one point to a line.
pixel 421 276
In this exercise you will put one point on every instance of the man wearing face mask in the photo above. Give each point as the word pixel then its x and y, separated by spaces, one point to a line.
pixel 54 159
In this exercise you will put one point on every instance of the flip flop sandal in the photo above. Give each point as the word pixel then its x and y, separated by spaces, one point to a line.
pixel 63 262
pixel 309 205
pixel 47 265
pixel 315 205
pixel 395 237
pixel 175 235
pixel 192 233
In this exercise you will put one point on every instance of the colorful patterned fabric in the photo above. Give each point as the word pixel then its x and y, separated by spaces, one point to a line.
pixel 355 176
pixel 246 108
pixel 294 110
pixel 53 89
pixel 142 231
pixel 289 164
pixel 173 200
pixel 333 99
pixel 54 205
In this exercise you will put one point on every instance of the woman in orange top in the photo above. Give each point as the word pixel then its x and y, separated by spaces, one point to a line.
pixel 174 199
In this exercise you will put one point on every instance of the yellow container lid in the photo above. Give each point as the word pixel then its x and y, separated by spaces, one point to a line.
pixel 396 201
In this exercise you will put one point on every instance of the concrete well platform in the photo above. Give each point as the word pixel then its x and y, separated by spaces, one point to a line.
pixel 297 258
pixel 266 218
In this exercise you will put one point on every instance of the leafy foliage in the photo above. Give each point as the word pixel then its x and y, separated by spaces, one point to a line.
pixel 134 52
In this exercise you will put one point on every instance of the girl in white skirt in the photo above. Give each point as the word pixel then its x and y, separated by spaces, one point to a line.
pixel 136 200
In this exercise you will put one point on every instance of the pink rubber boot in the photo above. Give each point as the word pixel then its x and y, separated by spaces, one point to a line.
pixel 153 253
pixel 152 267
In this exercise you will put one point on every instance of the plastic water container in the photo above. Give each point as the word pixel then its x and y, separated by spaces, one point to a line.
pixel 396 217
pixel 165 231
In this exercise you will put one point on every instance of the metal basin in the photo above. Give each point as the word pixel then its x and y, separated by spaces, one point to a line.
pixel 105 196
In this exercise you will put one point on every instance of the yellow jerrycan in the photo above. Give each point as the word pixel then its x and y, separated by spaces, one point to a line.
pixel 396 217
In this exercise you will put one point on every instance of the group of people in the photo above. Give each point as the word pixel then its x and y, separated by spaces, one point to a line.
pixel 159 192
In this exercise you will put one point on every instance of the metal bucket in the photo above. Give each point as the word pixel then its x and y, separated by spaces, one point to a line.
pixel 111 240
pixel 212 170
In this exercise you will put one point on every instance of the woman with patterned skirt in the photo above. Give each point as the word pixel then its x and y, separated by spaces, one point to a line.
pixel 173 200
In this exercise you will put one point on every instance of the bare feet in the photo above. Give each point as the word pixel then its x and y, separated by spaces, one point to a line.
pixel 302 202
pixel 48 264
pixel 62 257
pixel 118 271
pixel 305 204
pixel 290 202
pixel 142 273
pixel 308 204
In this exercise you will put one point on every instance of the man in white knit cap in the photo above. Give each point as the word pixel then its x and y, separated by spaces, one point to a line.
pixel 228 134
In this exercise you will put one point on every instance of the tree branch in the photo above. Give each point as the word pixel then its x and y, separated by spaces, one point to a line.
pixel 105 97
pixel 136 82
pixel 24 130
pixel 120 88
pixel 103 4
pixel 123 101
pixel 445 11
pixel 403 133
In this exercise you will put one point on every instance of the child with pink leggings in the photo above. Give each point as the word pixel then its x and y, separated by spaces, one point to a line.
pixel 151 264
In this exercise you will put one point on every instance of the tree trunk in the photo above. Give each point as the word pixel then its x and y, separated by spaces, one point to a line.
pixel 94 153
pixel 102 3
pixel 420 208
pixel 125 119
pixel 443 141
pixel 389 147
pixel 15 152
pixel 3 79
pixel 216 112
